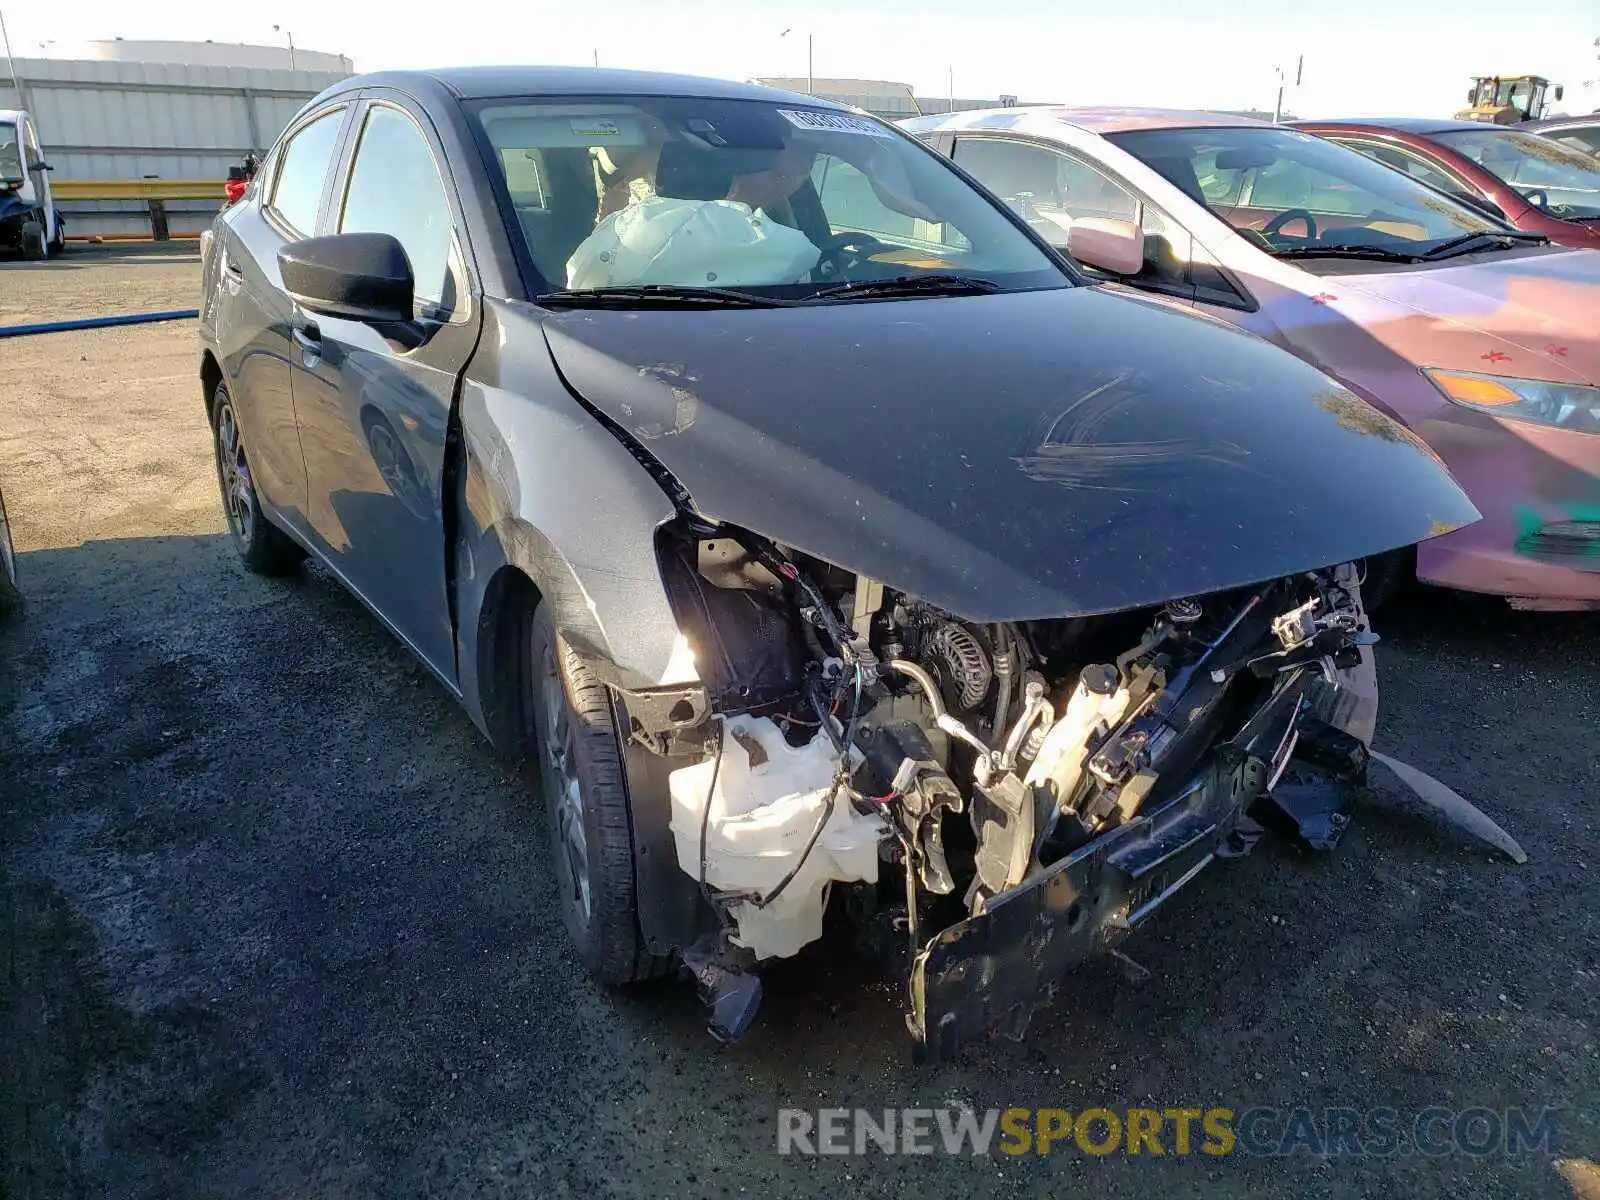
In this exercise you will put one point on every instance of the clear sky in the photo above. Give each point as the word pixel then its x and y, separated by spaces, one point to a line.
pixel 1362 57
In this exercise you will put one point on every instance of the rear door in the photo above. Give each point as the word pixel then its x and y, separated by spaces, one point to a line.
pixel 373 409
pixel 253 314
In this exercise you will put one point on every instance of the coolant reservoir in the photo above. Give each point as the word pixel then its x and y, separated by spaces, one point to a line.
pixel 768 799
pixel 1098 697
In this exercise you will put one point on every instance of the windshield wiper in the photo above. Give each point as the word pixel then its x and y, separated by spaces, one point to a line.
pixel 1380 253
pixel 1468 242
pixel 657 295
pixel 908 285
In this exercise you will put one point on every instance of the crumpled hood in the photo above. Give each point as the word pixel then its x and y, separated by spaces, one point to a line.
pixel 1007 457
pixel 1534 316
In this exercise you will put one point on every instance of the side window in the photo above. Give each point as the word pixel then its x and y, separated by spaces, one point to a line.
pixel 1047 189
pixel 303 169
pixel 1051 190
pixel 1579 139
pixel 395 189
pixel 851 206
pixel 35 154
pixel 1409 162
pixel 525 178
pixel 1287 184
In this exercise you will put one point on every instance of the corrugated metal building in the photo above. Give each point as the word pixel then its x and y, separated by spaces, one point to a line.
pixel 118 119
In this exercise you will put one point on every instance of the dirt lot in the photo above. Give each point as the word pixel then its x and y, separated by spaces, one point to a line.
pixel 276 922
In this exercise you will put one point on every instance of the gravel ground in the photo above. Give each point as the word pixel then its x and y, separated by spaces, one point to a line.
pixel 276 919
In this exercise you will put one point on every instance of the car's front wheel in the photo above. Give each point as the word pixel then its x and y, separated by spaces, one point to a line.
pixel 586 803
pixel 35 243
pixel 263 547
pixel 10 595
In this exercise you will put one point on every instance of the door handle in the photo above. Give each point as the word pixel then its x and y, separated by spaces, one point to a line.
pixel 233 268
pixel 308 337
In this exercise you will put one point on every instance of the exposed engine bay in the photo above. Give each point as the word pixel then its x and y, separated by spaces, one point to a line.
pixel 1003 799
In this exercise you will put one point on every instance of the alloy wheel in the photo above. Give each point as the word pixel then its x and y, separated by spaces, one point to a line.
pixel 238 496
pixel 564 791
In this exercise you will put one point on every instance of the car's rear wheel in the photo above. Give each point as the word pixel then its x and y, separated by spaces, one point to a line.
pixel 262 546
pixel 586 803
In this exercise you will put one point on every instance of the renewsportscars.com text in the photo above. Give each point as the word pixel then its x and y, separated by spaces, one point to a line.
pixel 1218 1131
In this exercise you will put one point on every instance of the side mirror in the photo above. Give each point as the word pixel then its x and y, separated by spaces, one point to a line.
pixel 358 276
pixel 1115 246
pixel 1472 95
pixel 1560 91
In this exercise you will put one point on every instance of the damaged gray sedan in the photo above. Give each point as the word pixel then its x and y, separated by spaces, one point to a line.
pixel 824 536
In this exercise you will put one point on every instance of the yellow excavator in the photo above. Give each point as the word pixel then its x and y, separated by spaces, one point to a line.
pixel 1506 99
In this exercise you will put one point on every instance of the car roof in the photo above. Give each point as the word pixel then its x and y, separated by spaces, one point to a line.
pixel 1093 120
pixel 486 83
pixel 1580 121
pixel 1422 125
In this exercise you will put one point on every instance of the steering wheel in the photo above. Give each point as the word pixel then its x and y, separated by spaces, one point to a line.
pixel 1277 223
pixel 844 250
pixel 1542 203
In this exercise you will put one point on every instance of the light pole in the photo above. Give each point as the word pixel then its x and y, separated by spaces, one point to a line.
pixel 810 79
pixel 286 33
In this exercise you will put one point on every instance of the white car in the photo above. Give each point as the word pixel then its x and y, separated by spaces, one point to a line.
pixel 29 221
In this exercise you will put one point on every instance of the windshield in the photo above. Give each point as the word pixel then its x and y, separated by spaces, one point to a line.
pixel 1290 192
pixel 1559 179
pixel 10 153
pixel 762 198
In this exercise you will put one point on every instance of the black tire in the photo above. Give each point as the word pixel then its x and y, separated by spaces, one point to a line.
pixel 10 594
pixel 58 244
pixel 1387 575
pixel 583 784
pixel 262 546
pixel 35 246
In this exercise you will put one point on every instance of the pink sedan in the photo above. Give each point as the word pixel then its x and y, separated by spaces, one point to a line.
pixel 1483 339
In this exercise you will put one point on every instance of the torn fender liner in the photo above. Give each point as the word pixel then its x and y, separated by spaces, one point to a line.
pixel 1454 807
pixel 1012 456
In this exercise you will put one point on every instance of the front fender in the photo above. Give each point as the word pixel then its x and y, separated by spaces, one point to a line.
pixel 545 489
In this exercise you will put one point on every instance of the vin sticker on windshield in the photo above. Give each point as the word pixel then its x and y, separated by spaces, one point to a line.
pixel 827 122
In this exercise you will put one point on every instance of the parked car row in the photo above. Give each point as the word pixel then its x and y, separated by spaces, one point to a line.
pixel 825 531
pixel 1482 339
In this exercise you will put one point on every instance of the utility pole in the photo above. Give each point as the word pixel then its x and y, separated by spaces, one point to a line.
pixel 11 66
pixel 950 77
pixel 811 82
pixel 1277 111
